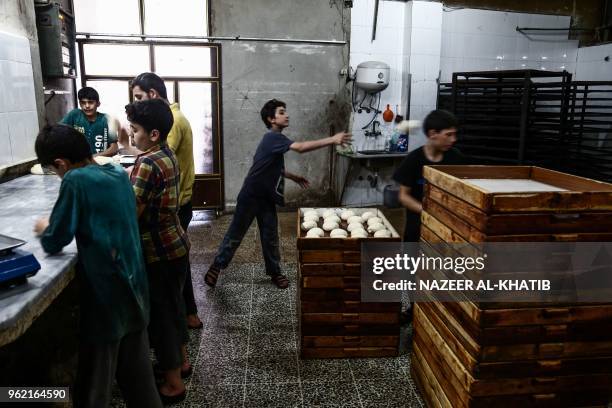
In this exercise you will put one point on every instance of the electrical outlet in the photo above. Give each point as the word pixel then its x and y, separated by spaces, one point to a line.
pixel 343 72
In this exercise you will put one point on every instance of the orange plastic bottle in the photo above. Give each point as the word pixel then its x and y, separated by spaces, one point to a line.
pixel 388 114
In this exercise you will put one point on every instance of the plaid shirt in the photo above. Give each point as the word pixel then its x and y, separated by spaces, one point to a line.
pixel 155 179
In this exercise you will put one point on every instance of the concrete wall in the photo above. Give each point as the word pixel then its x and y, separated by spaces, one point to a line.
pixel 305 76
pixel 17 17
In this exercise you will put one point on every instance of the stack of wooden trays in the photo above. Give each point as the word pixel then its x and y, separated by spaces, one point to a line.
pixel 333 322
pixel 476 354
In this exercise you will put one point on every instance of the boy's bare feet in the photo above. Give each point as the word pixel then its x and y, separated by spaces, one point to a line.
pixel 194 322
pixel 280 281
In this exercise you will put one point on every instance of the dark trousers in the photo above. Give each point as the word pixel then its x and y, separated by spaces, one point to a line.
pixel 127 360
pixel 168 323
pixel 185 214
pixel 247 209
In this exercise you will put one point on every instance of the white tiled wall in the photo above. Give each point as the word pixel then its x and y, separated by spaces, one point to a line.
pixel 483 40
pixel 388 47
pixel 18 116
pixel 425 52
pixel 592 64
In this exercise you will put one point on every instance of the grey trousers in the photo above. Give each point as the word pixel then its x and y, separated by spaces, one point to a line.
pixel 128 361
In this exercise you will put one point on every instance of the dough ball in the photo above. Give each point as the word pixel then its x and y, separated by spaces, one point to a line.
pixel 354 219
pixel 384 233
pixel 330 225
pixel 311 213
pixel 332 218
pixel 315 233
pixel 374 220
pixel 311 217
pixel 346 214
pixel 376 227
pixel 354 226
pixel 359 233
pixel 338 233
pixel 328 213
pixel 367 215
pixel 308 225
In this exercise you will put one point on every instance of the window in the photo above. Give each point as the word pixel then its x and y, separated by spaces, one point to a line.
pixel 190 70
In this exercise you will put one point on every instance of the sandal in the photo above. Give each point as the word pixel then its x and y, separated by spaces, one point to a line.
pixel 212 275
pixel 280 281
pixel 159 374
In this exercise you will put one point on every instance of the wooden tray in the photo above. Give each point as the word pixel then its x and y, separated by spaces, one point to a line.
pixel 581 194
pixel 518 223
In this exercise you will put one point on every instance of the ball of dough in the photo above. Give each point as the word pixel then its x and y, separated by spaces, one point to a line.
pixel 375 227
pixel 384 233
pixel 330 225
pixel 311 217
pixel 354 226
pixel 328 213
pixel 346 214
pixel 315 233
pixel 354 219
pixel 367 215
pixel 359 233
pixel 338 233
pixel 308 225
pixel 332 218
pixel 311 213
pixel 374 220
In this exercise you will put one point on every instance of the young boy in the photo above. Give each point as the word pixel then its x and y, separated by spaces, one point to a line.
pixel 440 127
pixel 100 129
pixel 114 306
pixel 155 179
pixel 263 189
pixel 180 139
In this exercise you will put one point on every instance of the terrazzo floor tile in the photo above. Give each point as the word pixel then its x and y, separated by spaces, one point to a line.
pixel 272 369
pixel 379 368
pixel 246 354
pixel 388 393
pixel 324 371
pixel 330 395
pixel 211 370
pixel 273 396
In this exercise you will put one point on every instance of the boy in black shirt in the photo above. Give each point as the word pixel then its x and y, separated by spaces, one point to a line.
pixel 440 127
pixel 263 189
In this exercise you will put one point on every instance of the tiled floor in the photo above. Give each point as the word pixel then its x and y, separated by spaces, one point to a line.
pixel 246 355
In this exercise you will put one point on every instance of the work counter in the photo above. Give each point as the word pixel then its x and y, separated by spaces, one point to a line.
pixel 22 202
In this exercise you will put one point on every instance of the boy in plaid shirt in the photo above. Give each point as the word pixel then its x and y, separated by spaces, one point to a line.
pixel 155 179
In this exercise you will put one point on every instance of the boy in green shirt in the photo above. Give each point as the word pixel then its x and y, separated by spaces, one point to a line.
pixel 99 128
pixel 114 305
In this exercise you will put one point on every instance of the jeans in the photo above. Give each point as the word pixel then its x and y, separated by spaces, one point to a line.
pixel 185 213
pixel 247 209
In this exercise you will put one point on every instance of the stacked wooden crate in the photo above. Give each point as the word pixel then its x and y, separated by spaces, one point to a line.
pixel 469 354
pixel 333 322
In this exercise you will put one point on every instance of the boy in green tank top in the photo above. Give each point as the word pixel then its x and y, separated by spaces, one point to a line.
pixel 99 129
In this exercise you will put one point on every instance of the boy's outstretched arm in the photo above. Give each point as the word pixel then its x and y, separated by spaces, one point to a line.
pixel 302 181
pixel 337 139
pixel 59 230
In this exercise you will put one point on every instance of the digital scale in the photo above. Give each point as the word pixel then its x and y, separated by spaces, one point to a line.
pixel 16 265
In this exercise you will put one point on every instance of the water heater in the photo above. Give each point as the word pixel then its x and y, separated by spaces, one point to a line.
pixel 372 76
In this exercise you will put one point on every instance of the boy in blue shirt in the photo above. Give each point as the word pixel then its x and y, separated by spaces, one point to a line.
pixel 263 189
pixel 113 286
pixel 100 129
